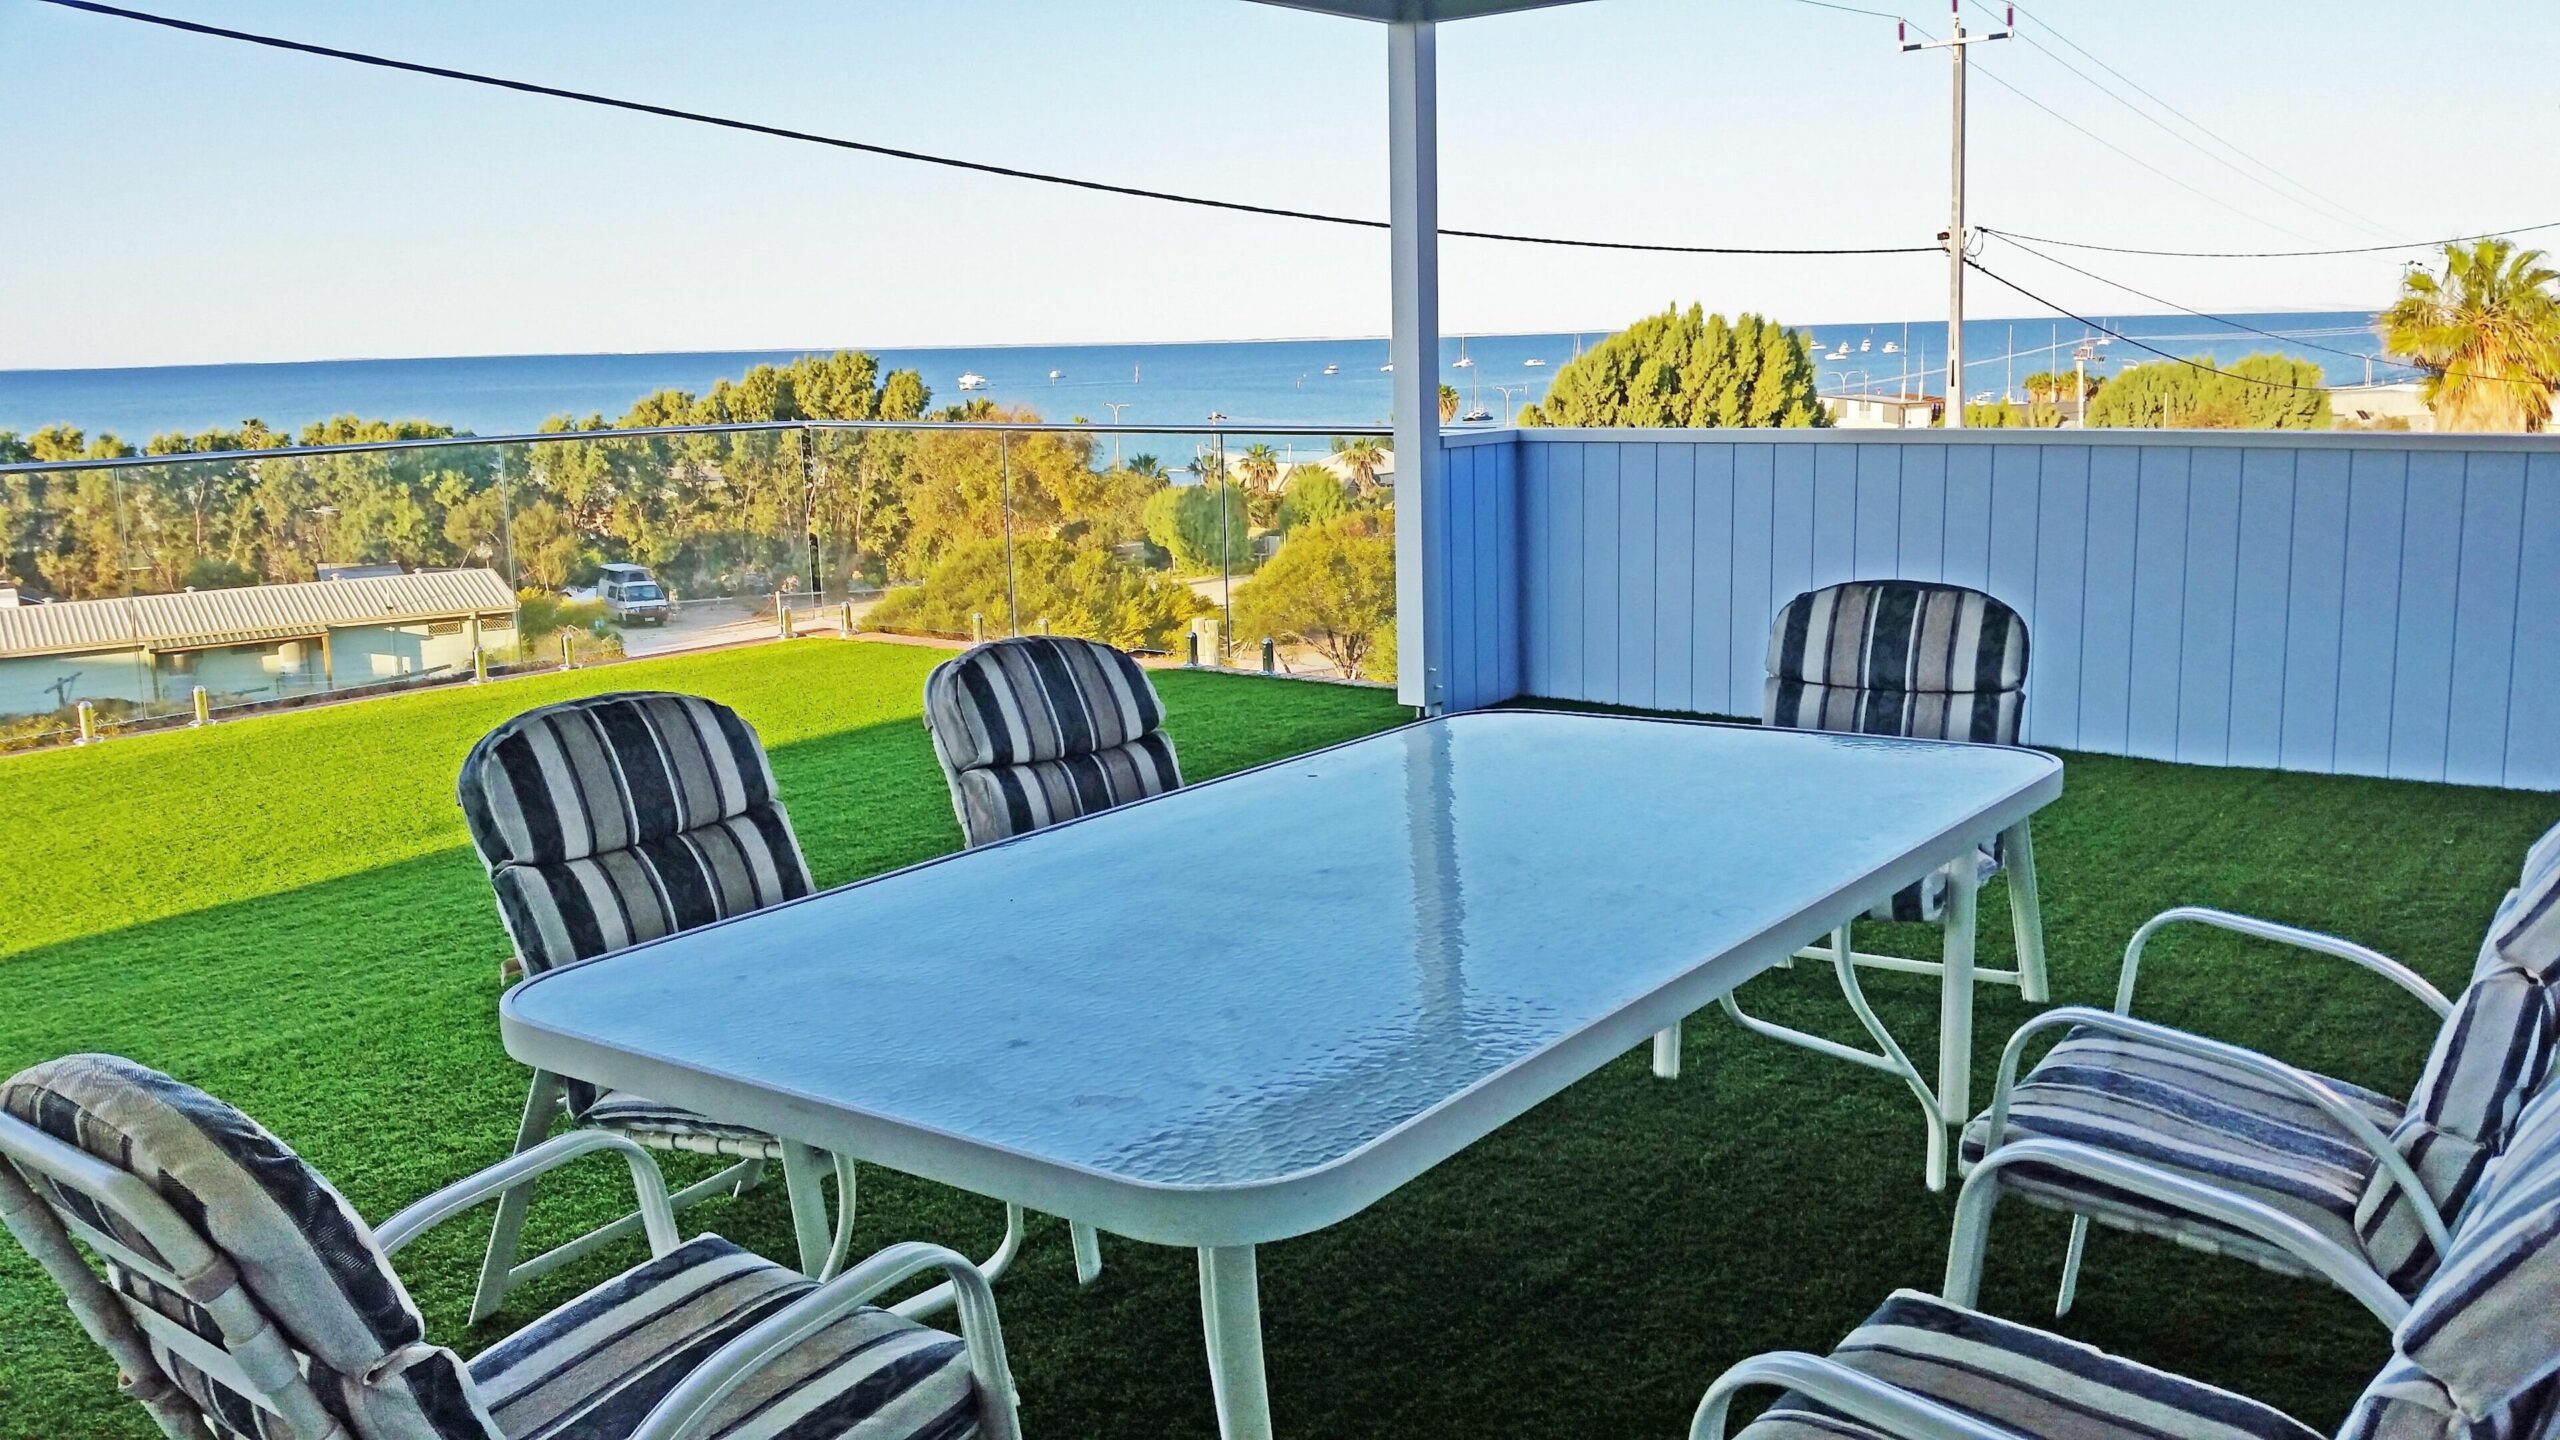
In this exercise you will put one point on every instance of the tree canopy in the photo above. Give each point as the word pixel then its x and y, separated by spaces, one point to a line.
pixel 1332 586
pixel 1077 590
pixel 2486 331
pixel 1185 520
pixel 1686 368
pixel 2266 391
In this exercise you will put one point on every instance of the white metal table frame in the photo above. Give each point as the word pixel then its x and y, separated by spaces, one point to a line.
pixel 1225 1223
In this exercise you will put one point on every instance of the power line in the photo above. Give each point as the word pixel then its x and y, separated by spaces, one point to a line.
pixel 2138 345
pixel 2202 194
pixel 1010 172
pixel 2198 125
pixel 2326 211
pixel 2270 334
pixel 2274 254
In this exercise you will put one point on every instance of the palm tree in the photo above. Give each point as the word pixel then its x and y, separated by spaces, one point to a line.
pixel 1146 467
pixel 1448 403
pixel 1258 467
pixel 2487 333
pixel 1364 457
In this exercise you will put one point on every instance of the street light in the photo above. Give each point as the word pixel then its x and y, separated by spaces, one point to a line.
pixel 1115 407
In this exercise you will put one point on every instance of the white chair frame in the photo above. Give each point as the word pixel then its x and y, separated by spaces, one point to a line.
pixel 264 1369
pixel 2285 1258
pixel 1900 1413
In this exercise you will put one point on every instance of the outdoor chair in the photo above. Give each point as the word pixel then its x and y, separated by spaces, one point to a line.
pixel 1038 729
pixel 244 1297
pixel 2474 1351
pixel 1042 728
pixel 606 822
pixel 2381 1179
pixel 1915 660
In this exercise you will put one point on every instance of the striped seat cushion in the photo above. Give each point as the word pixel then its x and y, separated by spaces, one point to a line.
pixel 2020 1380
pixel 592 1369
pixel 299 1255
pixel 998 801
pixel 2218 1123
pixel 622 818
pixel 673 1126
pixel 1044 728
pixel 1899 635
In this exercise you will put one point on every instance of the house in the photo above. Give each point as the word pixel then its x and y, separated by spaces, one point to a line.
pixel 2397 406
pixel 263 641
pixel 1883 412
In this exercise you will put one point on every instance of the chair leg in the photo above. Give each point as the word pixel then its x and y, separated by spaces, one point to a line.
pixel 842 1245
pixel 1088 1248
pixel 1666 1053
pixel 497 1267
pixel 2026 912
pixel 2071 1266
pixel 804 1170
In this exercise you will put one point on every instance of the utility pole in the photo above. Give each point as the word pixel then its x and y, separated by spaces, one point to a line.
pixel 2080 359
pixel 1956 44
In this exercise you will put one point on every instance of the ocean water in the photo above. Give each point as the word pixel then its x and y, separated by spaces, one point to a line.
pixel 1256 381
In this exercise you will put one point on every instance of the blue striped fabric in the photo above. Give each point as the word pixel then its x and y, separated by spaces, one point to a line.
pixel 2022 1380
pixel 592 1369
pixel 2214 1121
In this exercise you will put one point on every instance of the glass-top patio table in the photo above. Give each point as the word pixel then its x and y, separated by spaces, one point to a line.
pixel 1248 1009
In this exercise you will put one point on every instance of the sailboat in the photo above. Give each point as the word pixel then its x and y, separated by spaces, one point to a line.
pixel 1464 360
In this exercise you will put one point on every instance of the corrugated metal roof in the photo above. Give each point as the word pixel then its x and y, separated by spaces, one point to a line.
pixel 248 614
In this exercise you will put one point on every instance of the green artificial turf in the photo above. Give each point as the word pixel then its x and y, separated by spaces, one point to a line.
pixel 285 911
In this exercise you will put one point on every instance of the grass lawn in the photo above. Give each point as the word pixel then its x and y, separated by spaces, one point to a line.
pixel 285 911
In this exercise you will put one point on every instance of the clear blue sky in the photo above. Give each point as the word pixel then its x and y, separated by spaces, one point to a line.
pixel 175 199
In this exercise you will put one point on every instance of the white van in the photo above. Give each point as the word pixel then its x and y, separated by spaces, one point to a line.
pixel 632 595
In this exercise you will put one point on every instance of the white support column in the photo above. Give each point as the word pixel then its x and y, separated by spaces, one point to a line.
pixel 1413 170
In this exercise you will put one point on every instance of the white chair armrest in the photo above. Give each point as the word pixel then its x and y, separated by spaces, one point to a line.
pixel 657 1217
pixel 1859 1396
pixel 684 1409
pixel 2292 935
pixel 2345 1267
pixel 2355 1122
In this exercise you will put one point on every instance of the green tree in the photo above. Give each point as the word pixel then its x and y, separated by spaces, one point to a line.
pixel 1079 591
pixel 1185 521
pixel 1332 586
pixel 1364 456
pixel 1312 495
pixel 2266 391
pixel 1258 466
pixel 1448 403
pixel 2061 387
pixel 1685 368
pixel 2036 415
pixel 2486 332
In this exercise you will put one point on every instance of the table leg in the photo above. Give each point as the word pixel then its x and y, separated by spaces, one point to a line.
pixel 1955 1003
pixel 1231 1317
pixel 2026 912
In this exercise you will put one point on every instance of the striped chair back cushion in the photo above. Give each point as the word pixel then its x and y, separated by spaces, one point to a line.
pixel 2491 1054
pixel 297 1256
pixel 1044 728
pixel 1899 635
pixel 2479 1350
pixel 1986 717
pixel 622 818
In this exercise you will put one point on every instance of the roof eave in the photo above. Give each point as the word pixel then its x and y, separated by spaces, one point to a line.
pixel 1383 10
